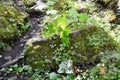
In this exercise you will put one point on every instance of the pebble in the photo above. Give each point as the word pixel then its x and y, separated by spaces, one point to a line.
pixel 0 56
pixel 1 78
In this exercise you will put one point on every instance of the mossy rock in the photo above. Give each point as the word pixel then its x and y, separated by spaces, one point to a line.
pixel 11 19
pixel 28 3
pixel 86 43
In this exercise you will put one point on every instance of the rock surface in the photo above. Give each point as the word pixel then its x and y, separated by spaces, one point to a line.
pixel 32 5
pixel 40 54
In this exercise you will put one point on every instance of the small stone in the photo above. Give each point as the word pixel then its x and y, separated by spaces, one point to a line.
pixel 8 58
pixel 1 78
pixel 22 45
pixel 8 48
pixel 15 78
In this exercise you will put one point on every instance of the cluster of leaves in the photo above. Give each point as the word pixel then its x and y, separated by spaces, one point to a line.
pixel 59 26
pixel 107 69
pixel 15 70
pixel 74 20
pixel 96 40
pixel 61 54
pixel 62 24
pixel 23 72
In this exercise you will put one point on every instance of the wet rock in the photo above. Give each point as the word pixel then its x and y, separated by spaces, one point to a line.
pixel 33 5
pixel 39 6
pixel 85 43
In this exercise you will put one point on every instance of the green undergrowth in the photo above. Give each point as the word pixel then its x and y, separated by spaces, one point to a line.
pixel 79 43
pixel 107 69
pixel 72 34
pixel 96 35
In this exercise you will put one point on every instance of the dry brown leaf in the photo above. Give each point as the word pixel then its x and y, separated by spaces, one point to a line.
pixel 102 70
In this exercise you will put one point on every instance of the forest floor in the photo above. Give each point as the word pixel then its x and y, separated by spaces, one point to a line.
pixel 12 54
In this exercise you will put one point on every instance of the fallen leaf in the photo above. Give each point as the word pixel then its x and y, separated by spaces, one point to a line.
pixel 102 70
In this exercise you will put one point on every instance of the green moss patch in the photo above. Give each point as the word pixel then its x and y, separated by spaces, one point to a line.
pixel 11 19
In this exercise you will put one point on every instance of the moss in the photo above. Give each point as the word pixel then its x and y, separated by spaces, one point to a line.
pixel 40 53
pixel 10 20
pixel 28 3
pixel 40 56
pixel 7 29
pixel 90 42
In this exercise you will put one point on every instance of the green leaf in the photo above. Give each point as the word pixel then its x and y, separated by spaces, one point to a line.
pixel 65 33
pixel 20 69
pixel 73 13
pixel 62 22
pixel 53 76
pixel 51 28
pixel 50 3
pixel 83 17
pixel 65 41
